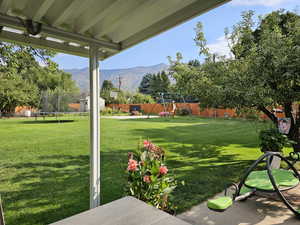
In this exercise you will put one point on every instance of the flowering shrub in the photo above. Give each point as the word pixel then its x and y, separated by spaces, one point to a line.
pixel 148 177
pixel 164 114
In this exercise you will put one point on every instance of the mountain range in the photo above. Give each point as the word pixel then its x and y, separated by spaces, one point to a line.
pixel 130 77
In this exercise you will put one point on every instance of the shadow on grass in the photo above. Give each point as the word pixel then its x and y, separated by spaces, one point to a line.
pixel 203 182
pixel 205 172
pixel 47 121
pixel 218 134
pixel 57 186
pixel 169 120
pixel 192 119
pixel 196 154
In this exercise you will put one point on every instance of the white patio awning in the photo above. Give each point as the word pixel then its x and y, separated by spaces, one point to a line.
pixel 70 26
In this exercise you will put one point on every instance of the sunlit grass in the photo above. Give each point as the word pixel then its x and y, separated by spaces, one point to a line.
pixel 44 167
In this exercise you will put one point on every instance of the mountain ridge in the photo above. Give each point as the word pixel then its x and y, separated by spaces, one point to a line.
pixel 130 77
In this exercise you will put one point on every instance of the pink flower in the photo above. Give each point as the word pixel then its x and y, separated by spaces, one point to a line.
pixel 147 179
pixel 163 170
pixel 147 143
pixel 153 147
pixel 132 165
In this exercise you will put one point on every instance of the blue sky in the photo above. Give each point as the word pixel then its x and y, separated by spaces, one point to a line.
pixel 180 38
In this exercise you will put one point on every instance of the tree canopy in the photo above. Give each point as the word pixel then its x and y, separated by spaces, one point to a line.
pixel 14 91
pixel 263 73
pixel 154 84
pixel 145 87
pixel 107 85
pixel 27 74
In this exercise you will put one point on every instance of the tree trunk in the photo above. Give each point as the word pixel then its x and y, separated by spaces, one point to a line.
pixel 295 125
pixel 269 114
pixel 294 133
pixel 297 130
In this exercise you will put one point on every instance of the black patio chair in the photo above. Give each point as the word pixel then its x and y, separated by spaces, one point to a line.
pixel 268 180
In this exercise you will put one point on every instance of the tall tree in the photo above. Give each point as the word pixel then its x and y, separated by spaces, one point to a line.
pixel 23 64
pixel 264 72
pixel 105 93
pixel 107 85
pixel 160 83
pixel 144 87
pixel 155 84
pixel 14 92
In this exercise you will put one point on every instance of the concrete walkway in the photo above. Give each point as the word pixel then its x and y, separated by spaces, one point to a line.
pixel 257 210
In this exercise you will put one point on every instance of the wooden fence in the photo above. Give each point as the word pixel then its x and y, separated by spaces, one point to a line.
pixel 193 107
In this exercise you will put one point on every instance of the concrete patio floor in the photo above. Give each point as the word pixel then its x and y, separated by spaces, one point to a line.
pixel 257 210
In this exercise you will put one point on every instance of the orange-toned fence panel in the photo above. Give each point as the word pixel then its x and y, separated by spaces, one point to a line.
pixel 74 106
pixel 21 109
pixel 193 107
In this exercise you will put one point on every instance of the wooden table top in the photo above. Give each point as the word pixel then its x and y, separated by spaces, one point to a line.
pixel 127 210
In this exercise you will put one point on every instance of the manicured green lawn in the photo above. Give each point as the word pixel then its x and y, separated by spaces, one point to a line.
pixel 44 167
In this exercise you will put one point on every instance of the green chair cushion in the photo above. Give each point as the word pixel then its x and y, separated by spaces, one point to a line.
pixel 260 179
pixel 245 190
pixel 221 203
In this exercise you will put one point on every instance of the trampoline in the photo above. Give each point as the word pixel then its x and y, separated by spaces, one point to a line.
pixel 267 180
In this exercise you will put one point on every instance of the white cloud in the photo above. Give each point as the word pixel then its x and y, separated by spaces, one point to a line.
pixel 268 3
pixel 220 47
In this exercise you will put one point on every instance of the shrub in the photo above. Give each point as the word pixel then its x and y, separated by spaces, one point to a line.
pixel 252 116
pixel 184 112
pixel 139 98
pixel 272 140
pixel 148 177
pixel 112 112
pixel 248 113
pixel 135 113
pixel 106 111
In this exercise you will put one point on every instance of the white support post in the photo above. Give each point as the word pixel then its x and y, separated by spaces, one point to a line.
pixel 94 128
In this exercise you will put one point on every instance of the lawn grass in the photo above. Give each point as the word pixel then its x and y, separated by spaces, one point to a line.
pixel 44 167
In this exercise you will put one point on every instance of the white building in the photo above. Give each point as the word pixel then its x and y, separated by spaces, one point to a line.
pixel 85 104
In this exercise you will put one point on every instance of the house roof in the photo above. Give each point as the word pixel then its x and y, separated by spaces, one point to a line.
pixel 72 26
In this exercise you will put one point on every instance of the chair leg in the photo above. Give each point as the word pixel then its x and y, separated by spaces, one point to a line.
pixel 1 214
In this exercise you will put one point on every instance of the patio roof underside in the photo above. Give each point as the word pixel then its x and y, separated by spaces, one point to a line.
pixel 71 26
